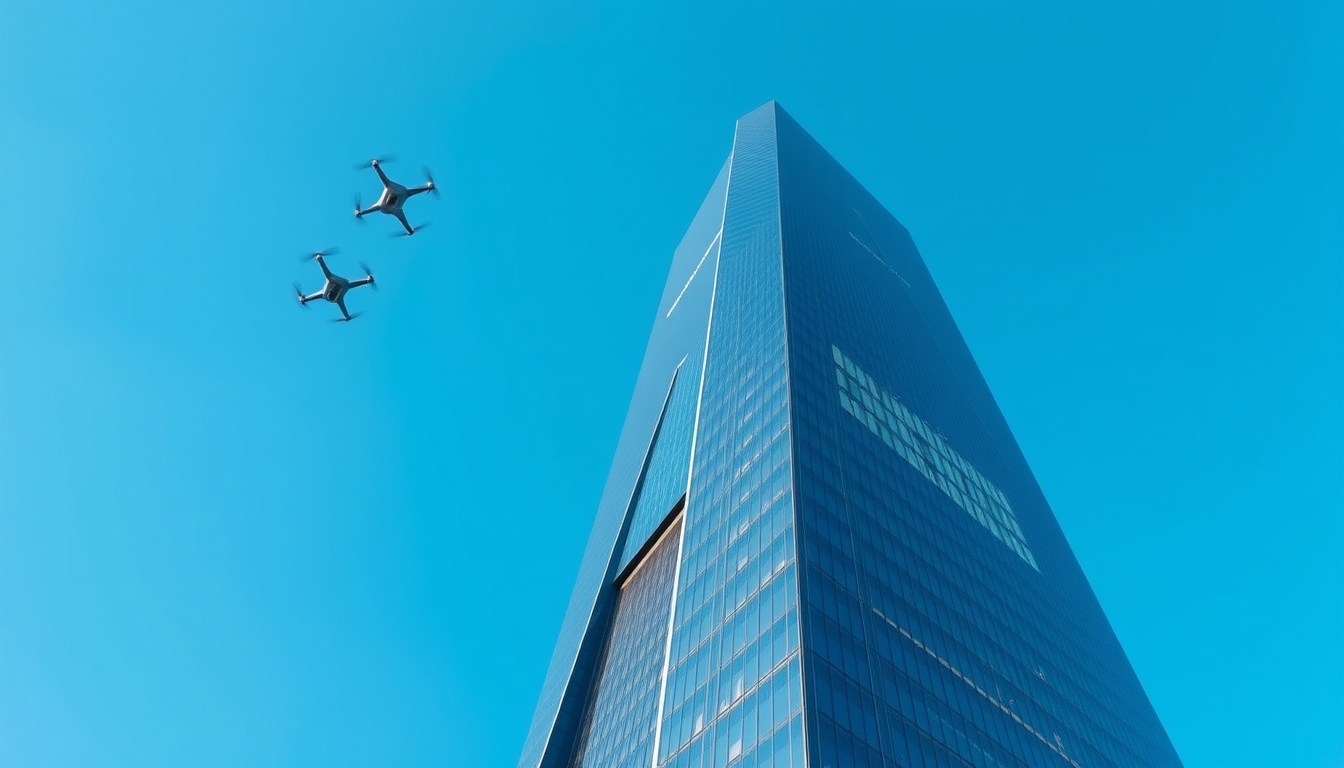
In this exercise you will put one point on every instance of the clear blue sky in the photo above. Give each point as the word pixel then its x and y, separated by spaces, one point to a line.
pixel 232 533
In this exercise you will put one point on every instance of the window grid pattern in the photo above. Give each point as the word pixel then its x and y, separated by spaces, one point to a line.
pixel 734 685
pixel 926 642
pixel 617 731
pixel 927 451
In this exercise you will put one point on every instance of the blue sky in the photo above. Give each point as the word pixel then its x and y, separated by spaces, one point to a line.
pixel 232 533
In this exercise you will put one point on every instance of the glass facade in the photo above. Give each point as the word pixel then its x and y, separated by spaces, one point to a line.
pixel 820 544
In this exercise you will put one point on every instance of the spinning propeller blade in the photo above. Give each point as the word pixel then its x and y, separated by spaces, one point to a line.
pixel 367 273
pixel 429 181
pixel 352 316
pixel 377 160
pixel 323 253
pixel 299 292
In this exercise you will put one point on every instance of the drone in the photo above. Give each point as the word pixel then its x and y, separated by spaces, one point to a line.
pixel 394 195
pixel 336 286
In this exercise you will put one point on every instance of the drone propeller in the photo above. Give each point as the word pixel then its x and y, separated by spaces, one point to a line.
pixel 372 282
pixel 359 209
pixel 322 253
pixel 299 292
pixel 415 229
pixel 376 161
pixel 429 181
pixel 352 316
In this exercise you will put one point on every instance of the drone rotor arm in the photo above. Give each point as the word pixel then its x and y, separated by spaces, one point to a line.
pixel 378 168
pixel 402 218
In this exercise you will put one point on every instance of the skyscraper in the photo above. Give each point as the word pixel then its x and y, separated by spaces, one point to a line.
pixel 819 543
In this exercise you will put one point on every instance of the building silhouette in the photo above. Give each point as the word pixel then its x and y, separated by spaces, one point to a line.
pixel 819 543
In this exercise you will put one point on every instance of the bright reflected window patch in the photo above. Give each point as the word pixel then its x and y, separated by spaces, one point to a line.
pixel 927 451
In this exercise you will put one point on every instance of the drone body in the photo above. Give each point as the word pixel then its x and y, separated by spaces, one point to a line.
pixel 336 287
pixel 394 197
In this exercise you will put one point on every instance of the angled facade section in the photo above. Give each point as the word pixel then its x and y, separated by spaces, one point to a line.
pixel 819 544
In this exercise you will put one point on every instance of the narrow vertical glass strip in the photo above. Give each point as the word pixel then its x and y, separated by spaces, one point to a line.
pixel 665 478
